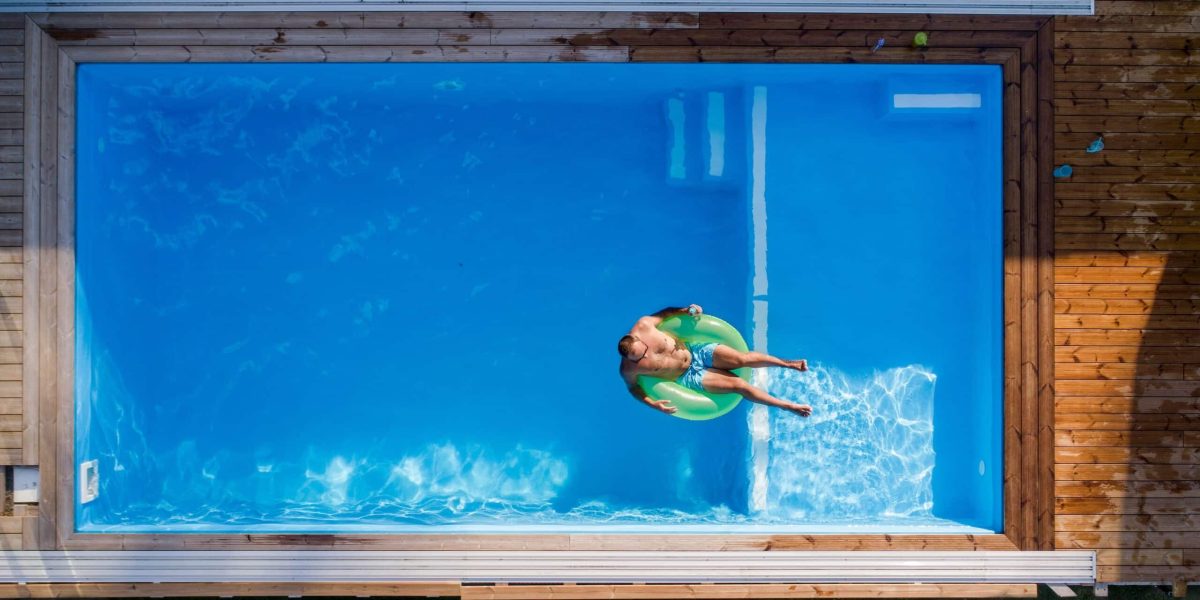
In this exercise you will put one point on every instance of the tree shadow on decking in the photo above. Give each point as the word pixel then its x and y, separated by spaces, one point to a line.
pixel 1128 380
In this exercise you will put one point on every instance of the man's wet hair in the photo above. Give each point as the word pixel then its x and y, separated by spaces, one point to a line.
pixel 625 344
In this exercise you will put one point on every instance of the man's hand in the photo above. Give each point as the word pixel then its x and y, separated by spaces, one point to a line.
pixel 695 310
pixel 663 405
pixel 803 410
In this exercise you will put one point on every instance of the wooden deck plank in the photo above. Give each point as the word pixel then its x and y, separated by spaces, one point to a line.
pixel 357 20
pixel 1143 7
pixel 1128 491
pixel 239 54
pixel 1031 530
pixel 1131 191
pixel 1125 505
pixel 1132 93
pixel 1137 275
pixel 861 21
pixel 524 36
pixel 1126 422
pixel 1119 455
pixel 1124 57
pixel 1082 437
pixel 1149 355
pixel 10 30
pixel 1125 291
pixel 1126 124
pixel 43 210
pixel 1146 174
pixel 1186 23
pixel 1011 232
pixel 1117 573
pixel 1139 321
pixel 1140 557
pixel 11 70
pixel 1046 369
pixel 1177 242
pixel 1141 74
pixel 1108 107
pixel 1093 371
pixel 1119 472
pixel 1141 389
pixel 63 307
pixel 1127 405
pixel 1126 337
pixel 1140 522
pixel 1136 158
pixel 789 54
pixel 1088 540
pixel 1123 259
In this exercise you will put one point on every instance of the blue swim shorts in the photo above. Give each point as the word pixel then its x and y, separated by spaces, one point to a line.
pixel 702 359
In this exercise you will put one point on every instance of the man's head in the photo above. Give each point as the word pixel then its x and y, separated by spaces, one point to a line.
pixel 632 348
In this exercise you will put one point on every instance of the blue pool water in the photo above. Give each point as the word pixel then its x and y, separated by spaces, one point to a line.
pixel 319 298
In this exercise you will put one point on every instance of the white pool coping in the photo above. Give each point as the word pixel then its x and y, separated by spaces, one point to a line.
pixel 566 566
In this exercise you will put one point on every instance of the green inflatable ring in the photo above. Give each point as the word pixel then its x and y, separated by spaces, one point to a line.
pixel 693 405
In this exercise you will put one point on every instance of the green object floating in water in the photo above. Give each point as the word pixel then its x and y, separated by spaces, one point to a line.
pixel 920 40
pixel 690 404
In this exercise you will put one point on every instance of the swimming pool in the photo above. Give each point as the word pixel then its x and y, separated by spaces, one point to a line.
pixel 336 298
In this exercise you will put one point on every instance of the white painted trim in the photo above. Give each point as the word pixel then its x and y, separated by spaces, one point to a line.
pixel 966 100
pixel 135 566
pixel 994 7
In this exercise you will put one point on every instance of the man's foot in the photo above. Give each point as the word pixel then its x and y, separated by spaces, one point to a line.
pixel 799 365
pixel 803 410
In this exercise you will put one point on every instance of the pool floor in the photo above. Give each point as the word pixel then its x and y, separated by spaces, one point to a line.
pixel 386 298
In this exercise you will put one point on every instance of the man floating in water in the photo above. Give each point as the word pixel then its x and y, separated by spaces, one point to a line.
pixel 646 350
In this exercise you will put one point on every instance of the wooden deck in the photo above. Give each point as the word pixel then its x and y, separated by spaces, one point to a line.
pixel 1127 289
pixel 56 43
pixel 13 416
pixel 1121 424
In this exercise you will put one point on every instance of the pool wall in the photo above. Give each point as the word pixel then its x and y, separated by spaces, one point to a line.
pixel 54 44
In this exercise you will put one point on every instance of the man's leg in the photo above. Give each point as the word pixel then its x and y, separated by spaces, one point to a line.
pixel 719 381
pixel 729 359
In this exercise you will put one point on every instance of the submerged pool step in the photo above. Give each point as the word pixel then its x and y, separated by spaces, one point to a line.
pixel 161 566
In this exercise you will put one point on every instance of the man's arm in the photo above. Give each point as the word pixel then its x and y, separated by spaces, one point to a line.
pixel 636 390
pixel 671 311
